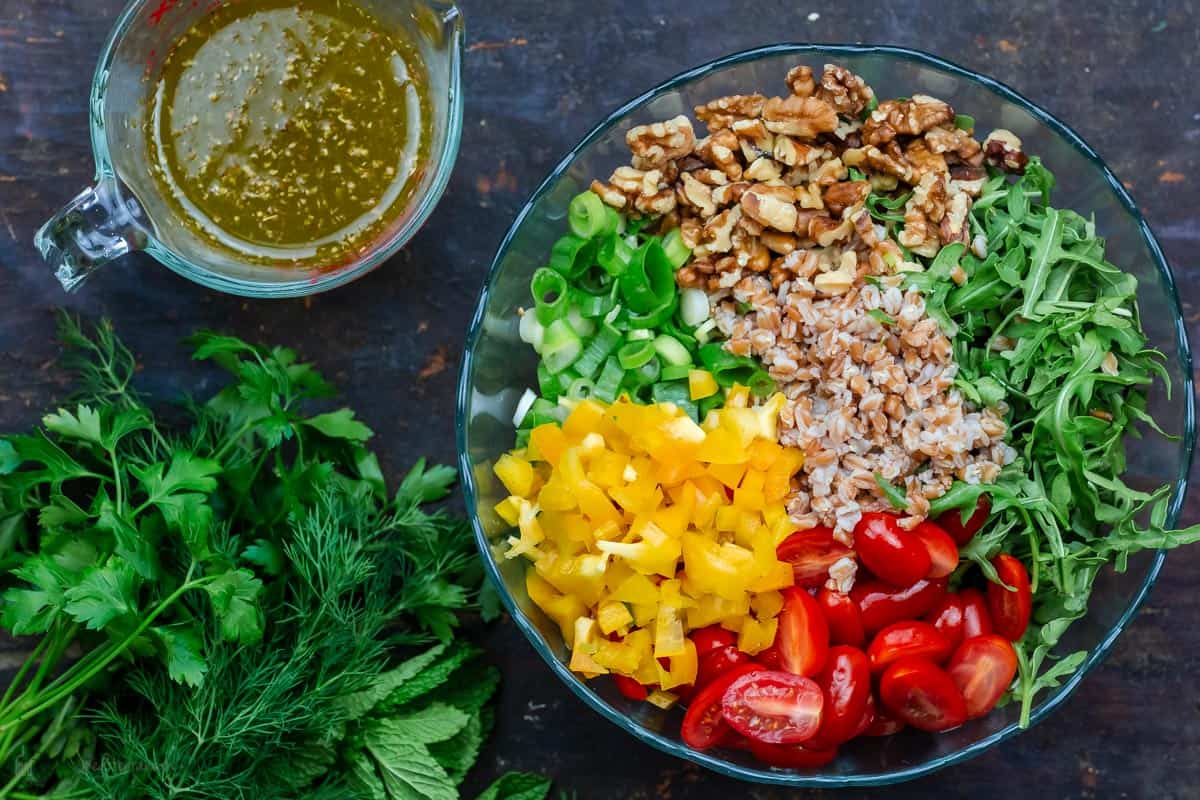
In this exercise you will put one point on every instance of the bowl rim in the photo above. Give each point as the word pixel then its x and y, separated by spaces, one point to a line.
pixel 771 775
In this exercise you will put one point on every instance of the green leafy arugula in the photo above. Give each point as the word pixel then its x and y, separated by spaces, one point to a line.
pixel 1047 329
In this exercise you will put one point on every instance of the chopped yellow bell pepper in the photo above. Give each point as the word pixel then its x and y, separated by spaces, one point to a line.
pixel 516 474
pixel 756 636
pixel 701 384
pixel 682 669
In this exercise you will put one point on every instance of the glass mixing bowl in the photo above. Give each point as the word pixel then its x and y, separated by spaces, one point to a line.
pixel 498 367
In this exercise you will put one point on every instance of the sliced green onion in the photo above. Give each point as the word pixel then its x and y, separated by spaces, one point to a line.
pixel 613 313
pixel 608 385
pixel 964 121
pixel 693 306
pixel 571 255
pixel 655 317
pixel 725 367
pixel 581 388
pixel 635 354
pixel 704 332
pixel 761 384
pixel 674 372
pixel 595 305
pixel 583 326
pixel 548 383
pixel 639 333
pixel 523 406
pixel 549 294
pixel 596 350
pixel 676 251
pixel 562 346
pixel 645 375
pixel 676 392
pixel 593 281
pixel 614 255
pixel 541 411
pixel 531 331
pixel 671 351
pixel 649 280
pixel 586 215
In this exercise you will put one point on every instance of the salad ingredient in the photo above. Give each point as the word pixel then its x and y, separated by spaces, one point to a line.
pixel 943 552
pixel 712 638
pixel 791 756
pixel 947 618
pixel 846 686
pixel 717 662
pixel 961 530
pixel 812 553
pixel 290 133
pixel 803 633
pixel 922 695
pixel 881 604
pixel 704 724
pixel 844 618
pixel 229 622
pixel 908 639
pixel 977 620
pixel 1010 600
pixel 983 668
pixel 773 707
pixel 891 553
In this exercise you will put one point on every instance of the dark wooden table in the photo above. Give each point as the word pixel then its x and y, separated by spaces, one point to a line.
pixel 539 75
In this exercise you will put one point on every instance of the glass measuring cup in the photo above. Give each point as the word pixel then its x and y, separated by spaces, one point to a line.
pixel 125 211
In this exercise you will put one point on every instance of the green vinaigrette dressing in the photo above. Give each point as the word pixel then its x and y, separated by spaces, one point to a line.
pixel 289 132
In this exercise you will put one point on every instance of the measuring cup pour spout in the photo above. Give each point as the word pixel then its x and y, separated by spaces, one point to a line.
pixel 93 229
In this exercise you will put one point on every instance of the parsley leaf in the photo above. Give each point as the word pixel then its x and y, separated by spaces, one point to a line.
pixel 234 597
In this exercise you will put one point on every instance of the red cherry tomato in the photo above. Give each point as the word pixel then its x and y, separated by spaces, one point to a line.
pixel 976 619
pixel 811 553
pixel 961 532
pixel 883 723
pixel 770 657
pixel 711 638
pixel 716 663
pixel 908 639
pixel 892 554
pixel 803 637
pixel 630 688
pixel 773 707
pixel 882 605
pixel 791 756
pixel 844 618
pixel 703 725
pixel 868 718
pixel 1010 610
pixel 846 684
pixel 982 668
pixel 947 617
pixel 921 694
pixel 943 552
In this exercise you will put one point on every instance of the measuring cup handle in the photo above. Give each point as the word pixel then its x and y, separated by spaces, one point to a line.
pixel 93 229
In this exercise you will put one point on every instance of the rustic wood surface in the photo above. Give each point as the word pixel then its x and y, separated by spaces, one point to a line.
pixel 539 75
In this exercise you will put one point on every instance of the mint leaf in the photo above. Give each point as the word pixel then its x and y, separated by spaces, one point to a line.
pixel 409 771
pixel 430 677
pixel 102 595
pixel 360 703
pixel 235 599
pixel 517 786
pixel 458 754
pixel 364 779
pixel 340 424
pixel 437 722
pixel 183 655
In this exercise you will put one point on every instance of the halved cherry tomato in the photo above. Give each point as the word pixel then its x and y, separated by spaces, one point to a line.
pixel 882 605
pixel 791 756
pixel 892 554
pixel 630 688
pixel 733 740
pixel 716 663
pixel 908 639
pixel 947 617
pixel 883 722
pixel 943 552
pixel 846 685
pixel 976 619
pixel 711 638
pixel 1010 610
pixel 868 718
pixel 961 532
pixel 703 724
pixel 803 637
pixel 844 618
pixel 921 694
pixel 770 657
pixel 982 668
pixel 773 707
pixel 811 553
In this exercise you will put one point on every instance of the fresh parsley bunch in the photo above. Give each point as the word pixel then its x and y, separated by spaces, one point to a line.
pixel 217 590
pixel 1045 325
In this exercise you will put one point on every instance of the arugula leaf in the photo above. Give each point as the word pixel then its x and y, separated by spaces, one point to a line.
pixel 896 497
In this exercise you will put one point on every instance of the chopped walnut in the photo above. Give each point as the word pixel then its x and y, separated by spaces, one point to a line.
pixel 845 91
pixel 909 117
pixel 953 227
pixel 922 161
pixel 697 195
pixel 717 233
pixel 922 213
pixel 840 196
pixel 957 142
pixel 1002 149
pixel 609 194
pixel 772 206
pixel 724 111
pixel 803 117
pixel 800 81
pixel 656 144
pixel 720 150
pixel 729 194
pixel 754 138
